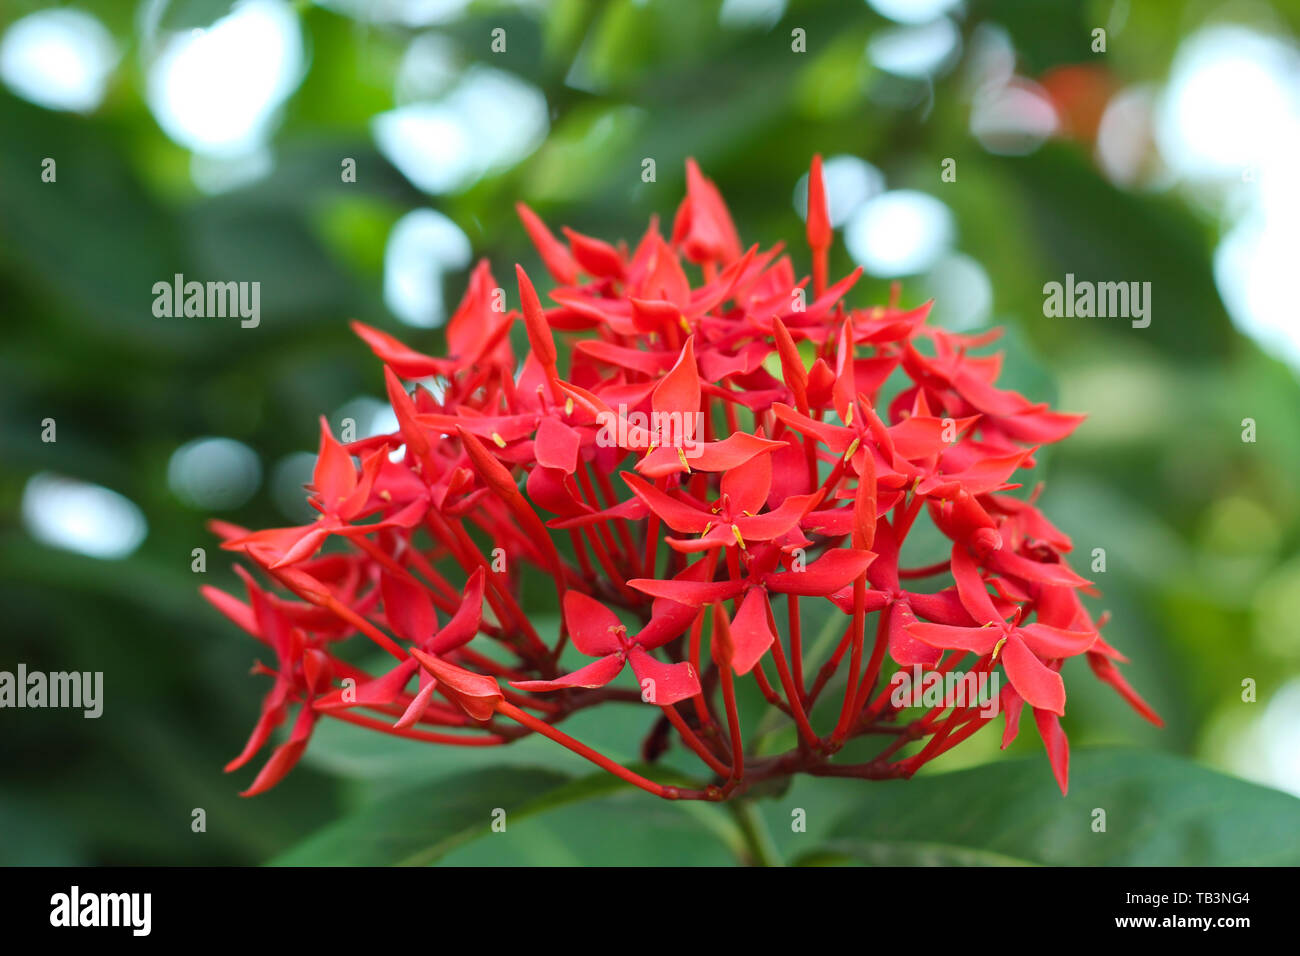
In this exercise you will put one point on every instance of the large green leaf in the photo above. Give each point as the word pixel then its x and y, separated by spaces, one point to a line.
pixel 420 825
pixel 625 828
pixel 1159 811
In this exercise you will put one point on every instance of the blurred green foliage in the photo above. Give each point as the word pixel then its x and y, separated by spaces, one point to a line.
pixel 1200 529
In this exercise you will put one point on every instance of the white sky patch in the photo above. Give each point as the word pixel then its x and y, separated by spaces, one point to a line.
pixel 409 13
pixel 428 69
pixel 912 11
pixel 899 233
pixel 217 91
pixel 78 516
pixel 1264 748
pixel 917 51
pixel 1228 125
pixel 751 14
pixel 1254 267
pixel 60 59
pixel 488 122
pixel 1230 103
pixel 422 246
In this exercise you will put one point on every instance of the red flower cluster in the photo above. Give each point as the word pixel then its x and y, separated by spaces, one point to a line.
pixel 777 448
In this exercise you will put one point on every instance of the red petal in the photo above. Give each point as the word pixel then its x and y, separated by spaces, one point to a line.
pixel 691 593
pixel 592 626
pixel 419 704
pixel 833 570
pixel 970 587
pixel 335 476
pixel 475 694
pixel 747 485
pixel 408 608
pixel 270 719
pixel 751 632
pixel 1012 705
pixel 556 445
pixel 404 409
pixel 597 258
pixel 835 437
pixel 676 514
pixel 406 362
pixel 776 523
pixel 678 392
pixel 668 683
pixel 1058 747
pixel 734 450
pixel 944 607
pixel 465 622
pixel 282 760
pixel 1049 642
pixel 903 647
pixel 1037 683
pixel 979 640
pixel 233 608
pixel 596 674
pixel 864 506
pixel 539 331
pixel 1043 572
pixel 372 693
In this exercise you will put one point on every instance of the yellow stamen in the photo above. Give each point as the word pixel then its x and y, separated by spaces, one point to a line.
pixel 568 406
pixel 500 442
pixel 997 648
pixel 739 540
pixel 681 455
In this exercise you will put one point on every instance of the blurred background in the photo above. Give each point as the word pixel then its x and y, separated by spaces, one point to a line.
pixel 1148 141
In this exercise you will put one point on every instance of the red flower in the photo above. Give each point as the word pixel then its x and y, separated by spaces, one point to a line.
pixel 597 632
pixel 1023 647
pixel 689 451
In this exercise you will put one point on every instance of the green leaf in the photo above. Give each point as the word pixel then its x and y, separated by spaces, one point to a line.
pixel 418 826
pixel 1160 811
pixel 626 828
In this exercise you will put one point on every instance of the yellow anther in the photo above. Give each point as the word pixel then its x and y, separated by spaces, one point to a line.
pixel 998 648
pixel 500 442
pixel 853 447
pixel 848 416
pixel 568 406
pixel 739 540
pixel 681 455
